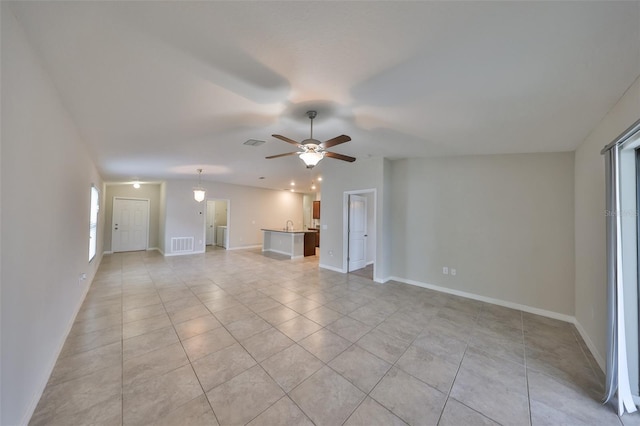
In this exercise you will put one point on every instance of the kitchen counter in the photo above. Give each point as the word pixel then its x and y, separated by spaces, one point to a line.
pixel 292 243
pixel 284 231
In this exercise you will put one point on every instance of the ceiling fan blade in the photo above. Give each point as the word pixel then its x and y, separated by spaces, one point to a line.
pixel 339 156
pixel 282 155
pixel 287 140
pixel 335 141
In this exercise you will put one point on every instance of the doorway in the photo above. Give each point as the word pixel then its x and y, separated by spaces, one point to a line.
pixel 130 224
pixel 216 223
pixel 360 232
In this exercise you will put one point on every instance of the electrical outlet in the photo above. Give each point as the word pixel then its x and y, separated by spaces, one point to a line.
pixel 331 253
pixel 81 278
pixel 445 270
pixel 453 271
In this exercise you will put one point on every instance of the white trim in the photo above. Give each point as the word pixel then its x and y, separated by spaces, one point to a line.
pixel 107 252
pixel 31 408
pixel 183 254
pixel 228 225
pixel 331 268
pixel 512 305
pixel 345 224
pixel 153 248
pixel 254 246
pixel 592 348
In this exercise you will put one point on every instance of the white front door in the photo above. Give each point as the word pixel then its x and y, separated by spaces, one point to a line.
pixel 357 232
pixel 129 225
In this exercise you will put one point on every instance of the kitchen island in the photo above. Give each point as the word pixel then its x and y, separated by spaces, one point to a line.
pixel 294 244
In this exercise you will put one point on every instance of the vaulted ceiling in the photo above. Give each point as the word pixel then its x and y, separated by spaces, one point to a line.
pixel 159 89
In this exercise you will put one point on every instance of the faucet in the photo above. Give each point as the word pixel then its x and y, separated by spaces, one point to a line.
pixel 287 225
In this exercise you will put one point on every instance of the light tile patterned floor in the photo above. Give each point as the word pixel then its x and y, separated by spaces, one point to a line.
pixel 237 337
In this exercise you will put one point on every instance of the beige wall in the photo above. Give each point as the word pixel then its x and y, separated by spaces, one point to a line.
pixel 46 177
pixel 147 191
pixel 339 177
pixel 504 222
pixel 590 232
pixel 250 210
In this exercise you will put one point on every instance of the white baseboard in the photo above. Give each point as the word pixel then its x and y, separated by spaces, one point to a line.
pixel 154 248
pixel 542 312
pixel 107 252
pixel 183 254
pixel 245 247
pixel 512 305
pixel 331 268
pixel 592 348
pixel 43 383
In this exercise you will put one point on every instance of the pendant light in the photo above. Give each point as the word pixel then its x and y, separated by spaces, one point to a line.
pixel 199 192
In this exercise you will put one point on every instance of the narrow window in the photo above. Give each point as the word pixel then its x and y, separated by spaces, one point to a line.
pixel 93 223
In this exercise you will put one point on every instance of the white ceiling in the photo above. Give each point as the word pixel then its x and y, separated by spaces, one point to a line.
pixel 159 89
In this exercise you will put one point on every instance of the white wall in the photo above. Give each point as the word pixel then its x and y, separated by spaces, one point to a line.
pixel 147 191
pixel 504 222
pixel 250 210
pixel 46 179
pixel 590 232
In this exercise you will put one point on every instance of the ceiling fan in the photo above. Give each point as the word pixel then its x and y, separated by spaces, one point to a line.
pixel 312 150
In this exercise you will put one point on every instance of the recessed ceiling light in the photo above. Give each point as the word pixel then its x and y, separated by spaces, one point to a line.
pixel 293 183
pixel 313 187
pixel 319 178
pixel 292 190
pixel 136 185
pixel 253 142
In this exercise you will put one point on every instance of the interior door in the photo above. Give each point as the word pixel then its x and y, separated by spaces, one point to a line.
pixel 357 232
pixel 129 225
pixel 211 223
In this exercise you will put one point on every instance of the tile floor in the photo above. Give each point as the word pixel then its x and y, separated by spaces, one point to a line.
pixel 236 337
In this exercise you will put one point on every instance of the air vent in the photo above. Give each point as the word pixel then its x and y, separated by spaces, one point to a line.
pixel 181 244
pixel 253 142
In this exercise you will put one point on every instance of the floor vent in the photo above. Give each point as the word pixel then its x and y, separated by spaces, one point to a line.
pixel 181 244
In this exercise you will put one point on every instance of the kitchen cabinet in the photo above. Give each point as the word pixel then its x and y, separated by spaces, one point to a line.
pixel 294 244
pixel 317 232
pixel 316 210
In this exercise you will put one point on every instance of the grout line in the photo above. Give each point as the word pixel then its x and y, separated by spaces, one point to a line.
pixel 121 344
pixel 526 369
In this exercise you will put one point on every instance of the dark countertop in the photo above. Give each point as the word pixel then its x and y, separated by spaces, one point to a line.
pixel 284 231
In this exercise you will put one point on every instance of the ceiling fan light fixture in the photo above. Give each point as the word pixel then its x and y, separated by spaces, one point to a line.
pixel 311 158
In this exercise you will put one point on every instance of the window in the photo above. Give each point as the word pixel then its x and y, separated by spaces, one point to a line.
pixel 93 222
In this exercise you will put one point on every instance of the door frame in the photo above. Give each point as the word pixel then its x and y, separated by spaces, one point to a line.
pixel 113 207
pixel 204 224
pixel 345 225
